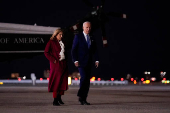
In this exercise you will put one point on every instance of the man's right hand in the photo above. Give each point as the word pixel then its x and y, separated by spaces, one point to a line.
pixel 76 64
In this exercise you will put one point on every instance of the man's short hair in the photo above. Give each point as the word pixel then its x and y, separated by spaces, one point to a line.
pixel 86 22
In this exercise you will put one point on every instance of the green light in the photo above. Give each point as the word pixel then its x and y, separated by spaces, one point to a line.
pixel 163 81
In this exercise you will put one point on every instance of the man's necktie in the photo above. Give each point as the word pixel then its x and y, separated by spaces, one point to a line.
pixel 88 41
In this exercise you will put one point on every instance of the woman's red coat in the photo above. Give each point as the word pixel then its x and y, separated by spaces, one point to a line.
pixel 58 79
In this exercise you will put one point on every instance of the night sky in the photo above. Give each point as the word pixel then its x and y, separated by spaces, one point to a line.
pixel 136 44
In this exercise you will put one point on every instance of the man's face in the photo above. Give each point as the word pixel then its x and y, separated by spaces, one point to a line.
pixel 87 28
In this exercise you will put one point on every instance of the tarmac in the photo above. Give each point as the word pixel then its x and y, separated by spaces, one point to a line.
pixel 17 98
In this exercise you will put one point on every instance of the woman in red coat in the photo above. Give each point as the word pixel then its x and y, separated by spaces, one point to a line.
pixel 58 79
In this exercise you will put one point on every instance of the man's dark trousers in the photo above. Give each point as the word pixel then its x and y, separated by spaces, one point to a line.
pixel 84 82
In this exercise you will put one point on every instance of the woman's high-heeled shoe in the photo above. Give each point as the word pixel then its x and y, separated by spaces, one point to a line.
pixel 56 102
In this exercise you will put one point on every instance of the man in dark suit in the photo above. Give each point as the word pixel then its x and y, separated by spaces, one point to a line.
pixel 82 50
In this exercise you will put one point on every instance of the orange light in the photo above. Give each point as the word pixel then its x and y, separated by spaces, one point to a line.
pixel 122 79
pixel 132 79
pixel 41 79
pixel 92 79
pixel 99 79
pixel 112 79
pixel 142 79
pixel 134 82
pixel 47 78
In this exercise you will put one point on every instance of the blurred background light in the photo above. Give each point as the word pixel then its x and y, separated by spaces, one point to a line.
pixel 147 81
pixel 41 79
pixel 122 79
pixel 134 82
pixel 112 79
pixel 69 80
pixel 92 79
pixel 142 79
pixel 99 79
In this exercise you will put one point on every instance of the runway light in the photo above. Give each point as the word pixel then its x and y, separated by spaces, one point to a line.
pixel 69 80
pixel 163 81
pixel 112 79
pixel 153 79
pixel 1 83
pixel 147 81
pixel 19 79
pixel 134 82
pixel 92 79
pixel 142 79
pixel 164 78
pixel 75 79
pixel 24 77
pixel 47 78
pixel 122 79
pixel 132 79
pixel 144 82
pixel 41 79
pixel 99 79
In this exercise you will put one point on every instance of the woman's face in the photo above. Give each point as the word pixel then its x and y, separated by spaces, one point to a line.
pixel 59 36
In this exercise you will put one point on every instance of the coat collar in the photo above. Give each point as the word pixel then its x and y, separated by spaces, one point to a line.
pixel 57 43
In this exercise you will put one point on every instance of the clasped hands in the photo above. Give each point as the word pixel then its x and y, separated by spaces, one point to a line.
pixel 61 58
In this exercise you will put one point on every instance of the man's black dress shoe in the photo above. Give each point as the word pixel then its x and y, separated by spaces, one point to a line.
pixel 83 102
